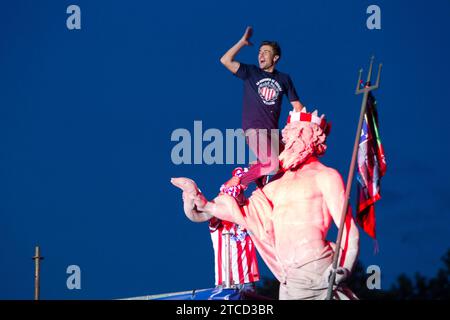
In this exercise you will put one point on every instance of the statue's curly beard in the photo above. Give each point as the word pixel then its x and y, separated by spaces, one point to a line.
pixel 295 153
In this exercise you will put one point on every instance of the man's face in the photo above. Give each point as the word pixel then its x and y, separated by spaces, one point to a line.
pixel 266 57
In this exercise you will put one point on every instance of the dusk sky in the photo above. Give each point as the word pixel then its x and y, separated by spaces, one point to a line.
pixel 86 118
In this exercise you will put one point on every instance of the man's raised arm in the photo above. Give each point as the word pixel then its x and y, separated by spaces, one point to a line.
pixel 228 58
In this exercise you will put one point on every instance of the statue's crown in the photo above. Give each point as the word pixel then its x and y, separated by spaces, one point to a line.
pixel 305 116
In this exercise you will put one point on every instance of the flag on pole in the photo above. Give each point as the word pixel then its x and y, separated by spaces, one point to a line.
pixel 371 167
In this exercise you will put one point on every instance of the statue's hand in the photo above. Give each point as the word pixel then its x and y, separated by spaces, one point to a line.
pixel 188 202
pixel 200 201
pixel 342 274
pixel 185 184
pixel 192 197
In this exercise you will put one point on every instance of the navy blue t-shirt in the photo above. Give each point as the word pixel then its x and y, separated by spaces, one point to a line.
pixel 263 95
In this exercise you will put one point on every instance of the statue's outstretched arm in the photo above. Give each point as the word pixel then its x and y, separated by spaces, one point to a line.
pixel 198 209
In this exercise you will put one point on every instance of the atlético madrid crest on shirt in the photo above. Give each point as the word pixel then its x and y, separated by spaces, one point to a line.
pixel 268 90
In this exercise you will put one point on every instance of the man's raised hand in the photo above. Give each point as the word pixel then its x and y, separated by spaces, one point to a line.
pixel 247 35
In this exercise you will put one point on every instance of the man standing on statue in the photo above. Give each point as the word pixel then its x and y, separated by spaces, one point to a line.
pixel 264 87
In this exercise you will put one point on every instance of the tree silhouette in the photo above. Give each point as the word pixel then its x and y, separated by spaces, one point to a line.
pixel 436 288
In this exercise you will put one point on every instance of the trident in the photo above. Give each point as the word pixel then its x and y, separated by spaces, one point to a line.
pixel 367 88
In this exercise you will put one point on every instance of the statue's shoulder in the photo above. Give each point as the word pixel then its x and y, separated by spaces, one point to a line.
pixel 329 174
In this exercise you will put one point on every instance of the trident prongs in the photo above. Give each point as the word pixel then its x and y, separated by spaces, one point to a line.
pixel 367 86
pixel 359 81
pixel 369 74
pixel 377 84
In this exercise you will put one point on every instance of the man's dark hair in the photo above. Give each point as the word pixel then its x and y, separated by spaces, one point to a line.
pixel 275 47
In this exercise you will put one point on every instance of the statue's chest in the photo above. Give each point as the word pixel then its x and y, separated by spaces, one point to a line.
pixel 294 187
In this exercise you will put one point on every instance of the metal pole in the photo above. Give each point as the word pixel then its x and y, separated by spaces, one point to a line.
pixel 227 282
pixel 366 91
pixel 37 259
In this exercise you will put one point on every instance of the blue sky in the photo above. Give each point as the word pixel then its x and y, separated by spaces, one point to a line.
pixel 86 118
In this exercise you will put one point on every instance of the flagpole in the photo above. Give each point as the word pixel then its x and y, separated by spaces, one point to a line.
pixel 367 88
pixel 37 273
pixel 227 258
